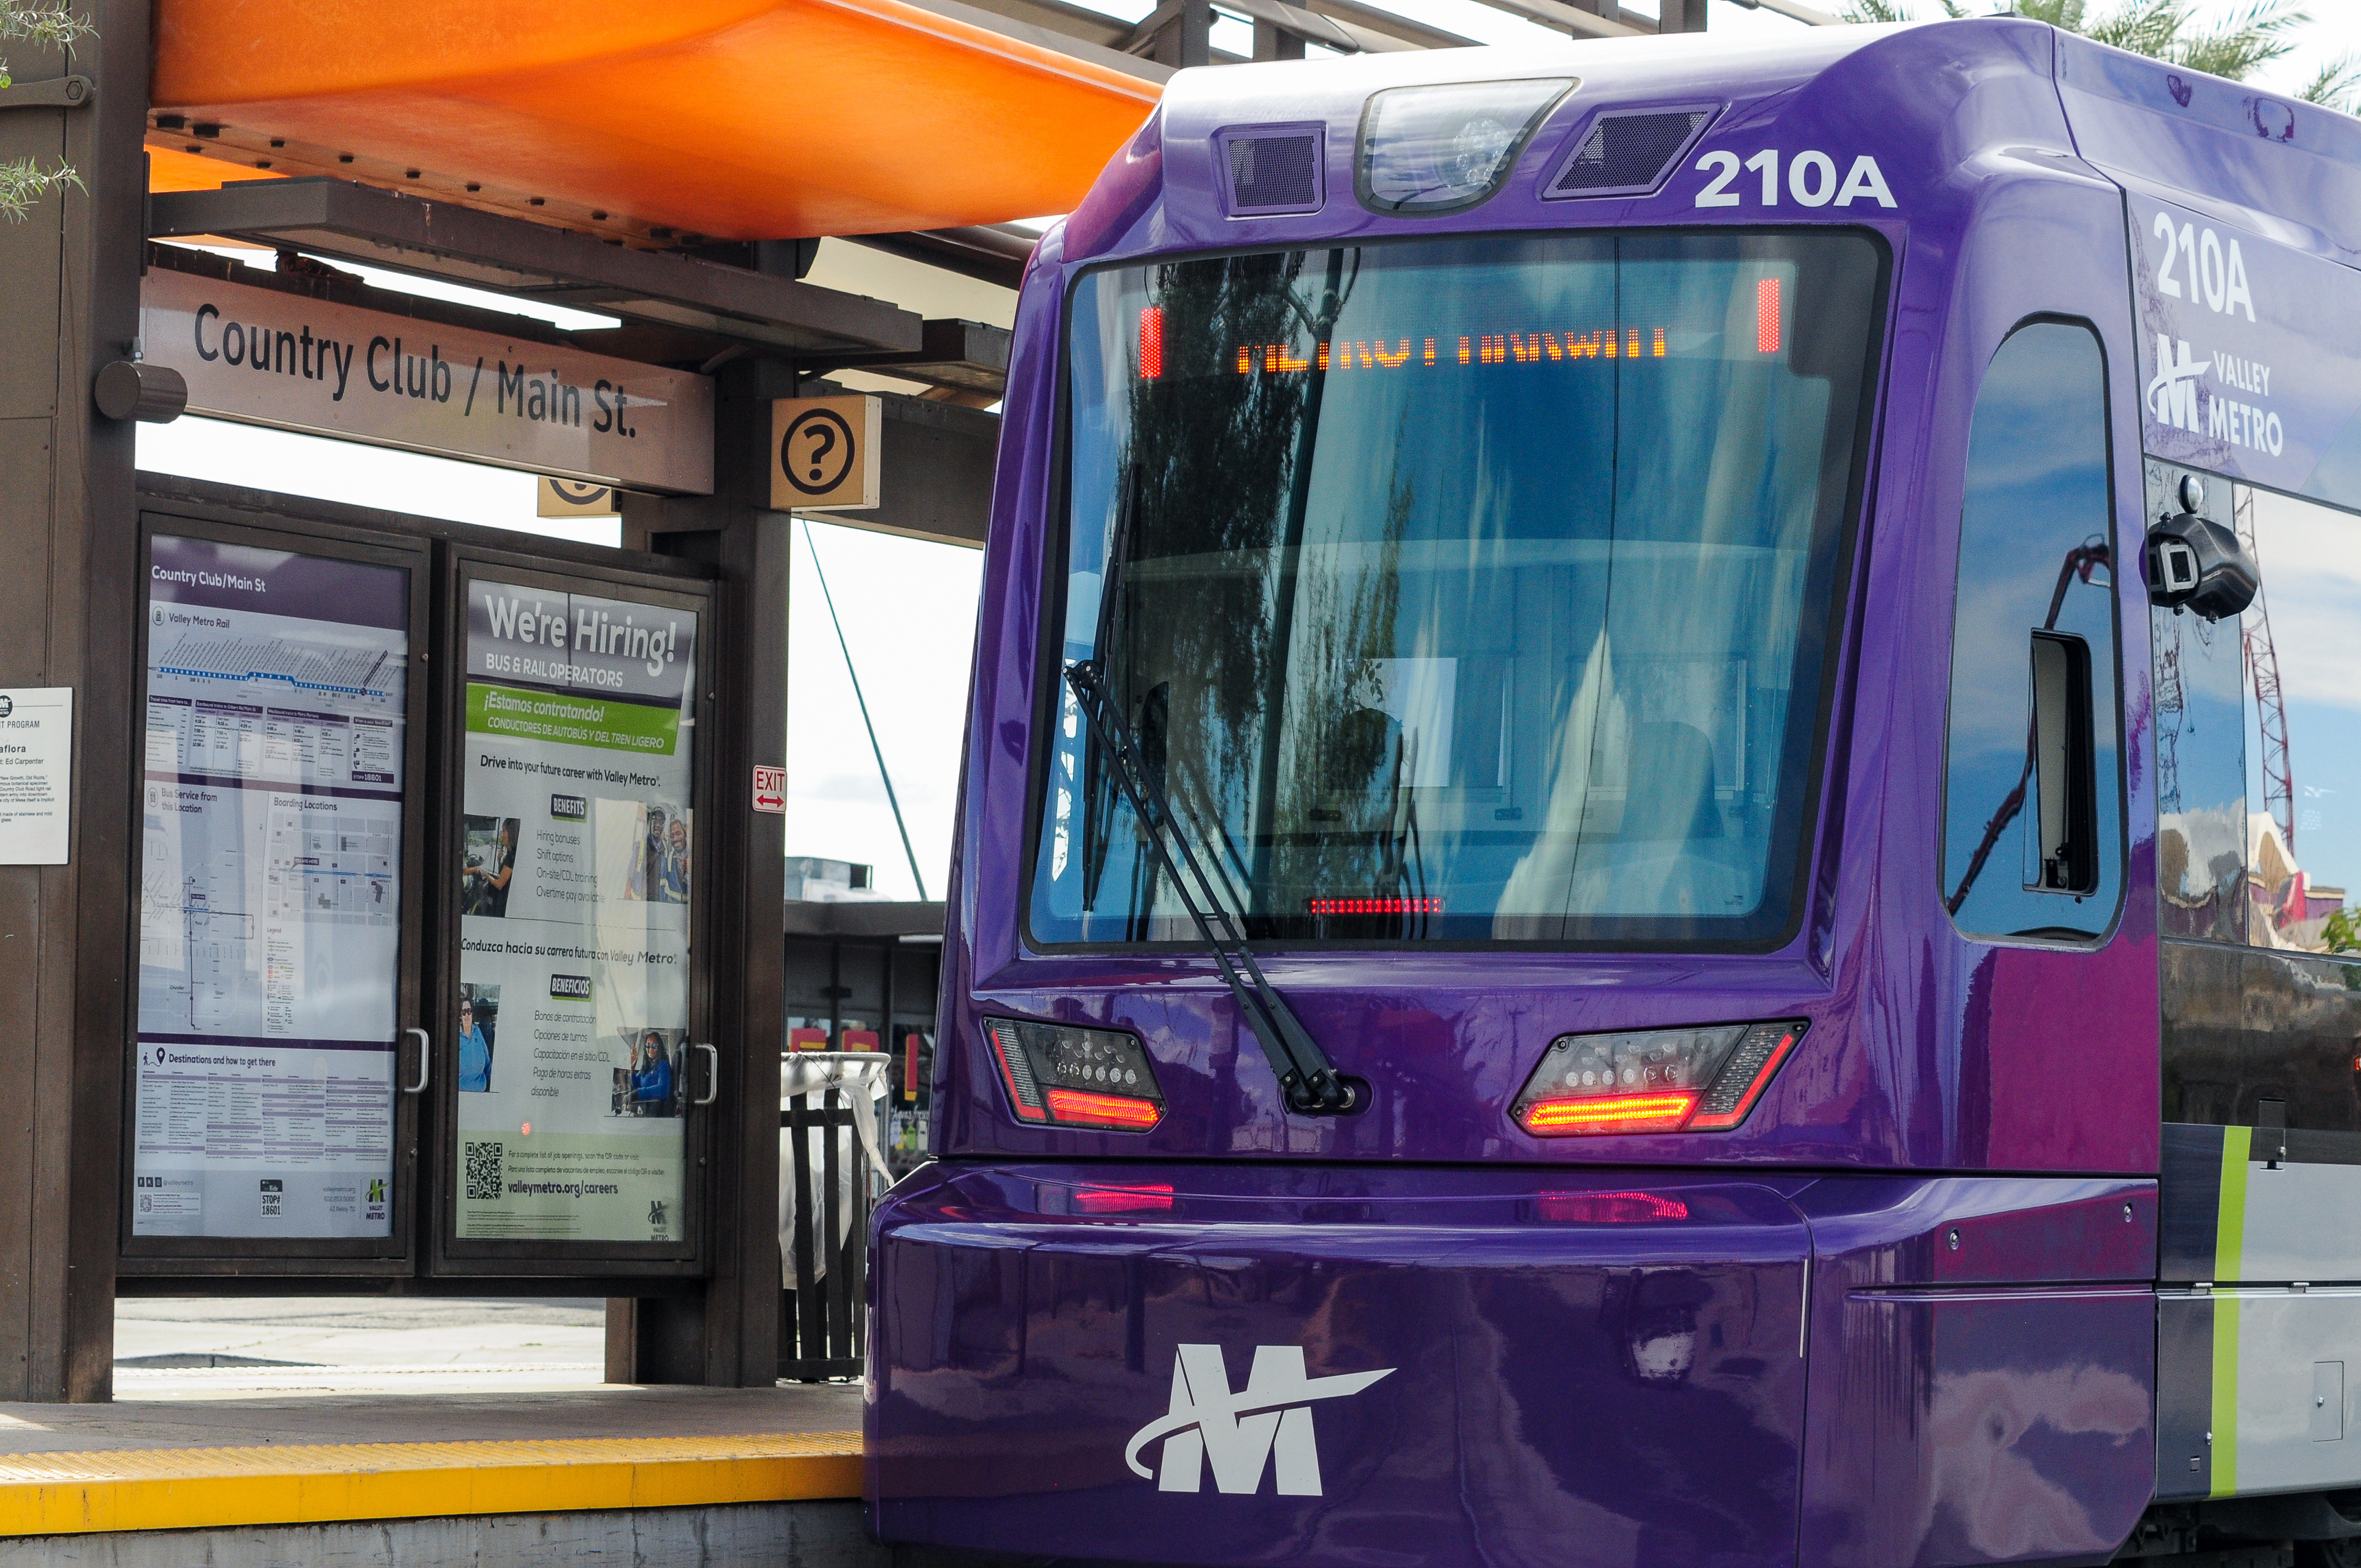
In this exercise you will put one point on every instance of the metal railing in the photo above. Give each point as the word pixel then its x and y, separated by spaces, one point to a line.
pixel 823 1322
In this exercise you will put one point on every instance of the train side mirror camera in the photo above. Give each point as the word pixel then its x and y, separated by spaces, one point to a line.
pixel 2193 563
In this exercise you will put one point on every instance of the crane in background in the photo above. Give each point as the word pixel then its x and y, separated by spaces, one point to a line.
pixel 2263 670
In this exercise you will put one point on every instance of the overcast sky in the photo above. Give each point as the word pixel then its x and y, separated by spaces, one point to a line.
pixel 907 607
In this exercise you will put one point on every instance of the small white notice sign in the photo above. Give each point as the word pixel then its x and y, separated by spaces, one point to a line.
pixel 36 774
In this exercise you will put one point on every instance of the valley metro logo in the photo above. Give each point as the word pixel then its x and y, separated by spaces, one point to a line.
pixel 1270 1419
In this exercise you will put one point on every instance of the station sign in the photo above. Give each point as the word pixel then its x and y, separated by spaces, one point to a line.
pixel 824 453
pixel 292 361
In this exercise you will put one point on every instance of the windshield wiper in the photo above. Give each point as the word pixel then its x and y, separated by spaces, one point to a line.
pixel 1311 1085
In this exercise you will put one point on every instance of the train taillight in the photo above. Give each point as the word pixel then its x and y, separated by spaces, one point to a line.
pixel 1652 1080
pixel 1060 1076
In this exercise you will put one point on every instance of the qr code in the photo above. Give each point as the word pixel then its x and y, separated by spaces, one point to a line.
pixel 484 1170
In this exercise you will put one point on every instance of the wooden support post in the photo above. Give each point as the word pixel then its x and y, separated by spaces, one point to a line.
pixel 69 533
pixel 729 1337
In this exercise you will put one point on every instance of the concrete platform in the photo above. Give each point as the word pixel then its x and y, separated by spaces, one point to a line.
pixel 371 1433
pixel 199 1463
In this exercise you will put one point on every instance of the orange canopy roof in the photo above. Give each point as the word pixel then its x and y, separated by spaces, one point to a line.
pixel 729 119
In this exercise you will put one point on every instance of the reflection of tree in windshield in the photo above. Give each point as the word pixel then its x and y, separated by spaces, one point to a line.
pixel 1255 686
pixel 1341 824
pixel 1210 471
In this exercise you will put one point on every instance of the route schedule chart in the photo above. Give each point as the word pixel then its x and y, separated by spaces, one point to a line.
pixel 270 895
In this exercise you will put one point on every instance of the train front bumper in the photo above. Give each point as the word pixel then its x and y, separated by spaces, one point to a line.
pixel 1366 1366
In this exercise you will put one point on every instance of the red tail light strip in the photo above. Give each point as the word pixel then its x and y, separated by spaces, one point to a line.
pixel 1703 1078
pixel 1079 1108
pixel 1622 1113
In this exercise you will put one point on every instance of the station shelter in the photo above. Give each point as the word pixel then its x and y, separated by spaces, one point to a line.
pixel 392 904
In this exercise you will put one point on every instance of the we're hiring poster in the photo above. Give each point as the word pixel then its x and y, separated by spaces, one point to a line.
pixel 575 865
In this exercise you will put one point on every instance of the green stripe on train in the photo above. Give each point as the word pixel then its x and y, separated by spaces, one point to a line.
pixel 2224 1435
pixel 2230 1219
pixel 2229 1264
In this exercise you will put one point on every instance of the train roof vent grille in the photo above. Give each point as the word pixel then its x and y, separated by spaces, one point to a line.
pixel 1274 170
pixel 1630 153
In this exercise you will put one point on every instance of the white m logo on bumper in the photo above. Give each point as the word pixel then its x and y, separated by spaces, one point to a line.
pixel 1270 1419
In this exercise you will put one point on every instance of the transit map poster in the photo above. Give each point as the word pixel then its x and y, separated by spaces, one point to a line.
pixel 573 879
pixel 270 894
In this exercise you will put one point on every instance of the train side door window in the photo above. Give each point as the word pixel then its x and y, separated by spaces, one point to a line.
pixel 2032 795
pixel 2301 646
pixel 2201 719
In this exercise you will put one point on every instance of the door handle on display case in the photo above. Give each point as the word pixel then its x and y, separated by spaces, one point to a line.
pixel 425 1056
pixel 712 1075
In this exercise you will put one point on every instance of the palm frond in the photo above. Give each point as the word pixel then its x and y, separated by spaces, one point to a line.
pixel 2337 85
pixel 2249 38
pixel 2247 41
pixel 2152 28
pixel 2066 14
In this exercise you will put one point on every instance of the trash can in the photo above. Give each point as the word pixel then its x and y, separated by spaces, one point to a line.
pixel 830 1107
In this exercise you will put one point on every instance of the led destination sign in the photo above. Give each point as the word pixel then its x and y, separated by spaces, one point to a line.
pixel 1762 326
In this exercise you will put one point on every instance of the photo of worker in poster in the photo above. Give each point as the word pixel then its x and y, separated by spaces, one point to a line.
pixel 580 766
pixel 651 1084
pixel 659 874
pixel 486 865
pixel 668 858
pixel 479 1009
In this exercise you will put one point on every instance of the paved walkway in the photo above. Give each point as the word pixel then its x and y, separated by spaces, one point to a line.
pixel 216 1347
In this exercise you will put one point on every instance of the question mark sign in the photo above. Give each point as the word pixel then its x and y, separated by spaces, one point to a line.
pixel 822 469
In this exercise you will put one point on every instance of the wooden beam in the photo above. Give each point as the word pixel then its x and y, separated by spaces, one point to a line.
pixel 435 240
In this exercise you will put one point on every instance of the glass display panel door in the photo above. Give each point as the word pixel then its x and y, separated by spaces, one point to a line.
pixel 276 814
pixel 575 880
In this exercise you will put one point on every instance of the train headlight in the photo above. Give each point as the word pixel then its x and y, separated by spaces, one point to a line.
pixel 1063 1077
pixel 1652 1080
pixel 1444 150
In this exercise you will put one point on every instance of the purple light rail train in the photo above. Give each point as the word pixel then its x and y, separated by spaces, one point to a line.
pixel 1662 773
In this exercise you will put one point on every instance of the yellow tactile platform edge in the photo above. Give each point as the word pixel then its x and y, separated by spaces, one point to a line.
pixel 188 1488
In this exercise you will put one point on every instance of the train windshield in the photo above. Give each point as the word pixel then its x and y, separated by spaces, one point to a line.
pixel 1458 590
